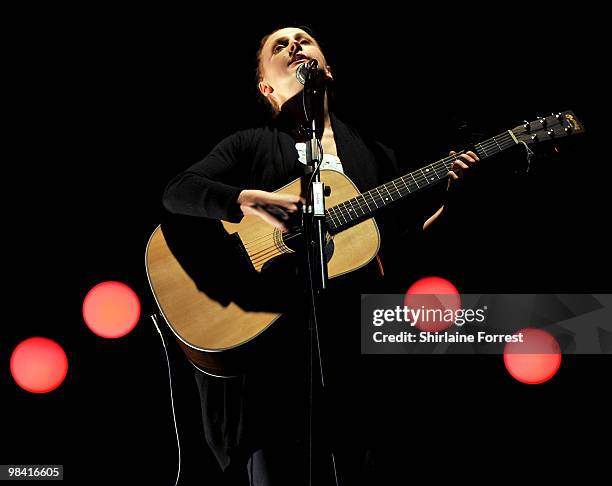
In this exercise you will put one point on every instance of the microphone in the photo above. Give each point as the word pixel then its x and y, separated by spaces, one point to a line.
pixel 306 71
pixel 313 95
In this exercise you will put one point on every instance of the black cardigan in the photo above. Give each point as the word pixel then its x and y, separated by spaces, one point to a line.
pixel 266 158
pixel 237 412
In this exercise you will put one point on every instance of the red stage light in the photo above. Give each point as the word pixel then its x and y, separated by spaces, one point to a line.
pixel 39 365
pixel 435 294
pixel 536 359
pixel 111 309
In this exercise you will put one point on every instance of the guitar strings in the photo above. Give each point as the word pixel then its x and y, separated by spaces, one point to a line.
pixel 266 251
pixel 445 164
pixel 261 244
pixel 335 212
pixel 339 210
pixel 442 164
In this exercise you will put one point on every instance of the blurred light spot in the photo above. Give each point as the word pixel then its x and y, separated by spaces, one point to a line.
pixel 536 359
pixel 39 365
pixel 436 296
pixel 111 309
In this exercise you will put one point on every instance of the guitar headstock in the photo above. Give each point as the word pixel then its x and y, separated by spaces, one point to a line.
pixel 550 127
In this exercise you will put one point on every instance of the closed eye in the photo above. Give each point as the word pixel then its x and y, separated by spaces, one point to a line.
pixel 278 47
pixel 282 44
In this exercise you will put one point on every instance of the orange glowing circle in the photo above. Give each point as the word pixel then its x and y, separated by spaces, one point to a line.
pixel 39 365
pixel 111 309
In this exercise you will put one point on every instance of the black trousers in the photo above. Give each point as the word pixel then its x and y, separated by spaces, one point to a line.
pixel 256 423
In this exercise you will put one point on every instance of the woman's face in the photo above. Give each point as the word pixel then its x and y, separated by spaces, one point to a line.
pixel 281 55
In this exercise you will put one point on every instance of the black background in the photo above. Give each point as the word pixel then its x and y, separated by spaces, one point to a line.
pixel 105 106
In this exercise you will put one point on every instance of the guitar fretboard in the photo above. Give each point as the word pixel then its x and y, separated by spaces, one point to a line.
pixel 363 206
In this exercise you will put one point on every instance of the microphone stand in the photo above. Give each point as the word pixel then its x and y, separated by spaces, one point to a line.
pixel 313 220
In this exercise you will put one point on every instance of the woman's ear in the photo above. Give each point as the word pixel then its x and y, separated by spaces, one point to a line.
pixel 328 72
pixel 265 89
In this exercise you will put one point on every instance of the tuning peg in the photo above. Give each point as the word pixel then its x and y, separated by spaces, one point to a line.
pixel 550 133
pixel 542 121
pixel 527 125
pixel 534 137
pixel 568 129
pixel 559 116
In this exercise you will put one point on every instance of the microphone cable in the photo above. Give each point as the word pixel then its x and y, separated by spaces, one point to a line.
pixel 178 442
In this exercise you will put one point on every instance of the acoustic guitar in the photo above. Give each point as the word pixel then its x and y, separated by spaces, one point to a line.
pixel 216 331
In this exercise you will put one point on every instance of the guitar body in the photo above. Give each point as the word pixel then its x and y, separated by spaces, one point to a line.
pixel 218 335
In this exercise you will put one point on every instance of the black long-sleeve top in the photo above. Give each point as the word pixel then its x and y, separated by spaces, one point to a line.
pixel 237 413
pixel 265 158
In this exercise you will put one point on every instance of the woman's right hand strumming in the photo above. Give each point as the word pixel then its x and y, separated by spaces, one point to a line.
pixel 274 208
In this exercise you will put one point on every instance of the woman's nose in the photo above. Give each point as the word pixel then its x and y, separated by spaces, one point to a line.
pixel 295 46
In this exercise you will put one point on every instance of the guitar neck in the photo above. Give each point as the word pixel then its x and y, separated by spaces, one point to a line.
pixel 365 205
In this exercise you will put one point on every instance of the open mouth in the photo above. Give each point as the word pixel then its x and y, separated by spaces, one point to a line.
pixel 299 59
